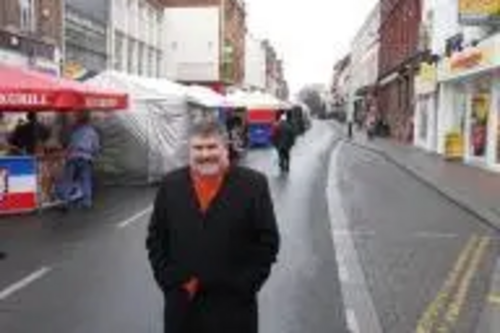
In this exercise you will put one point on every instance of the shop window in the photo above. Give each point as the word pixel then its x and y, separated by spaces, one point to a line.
pixel 27 11
pixel 119 51
pixel 480 107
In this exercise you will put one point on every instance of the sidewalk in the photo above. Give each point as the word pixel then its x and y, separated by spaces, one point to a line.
pixel 474 189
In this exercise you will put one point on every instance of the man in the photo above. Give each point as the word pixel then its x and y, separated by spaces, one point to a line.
pixel 84 145
pixel 283 140
pixel 212 240
pixel 28 136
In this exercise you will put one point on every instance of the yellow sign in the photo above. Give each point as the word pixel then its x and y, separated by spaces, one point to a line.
pixel 425 81
pixel 475 12
pixel 73 70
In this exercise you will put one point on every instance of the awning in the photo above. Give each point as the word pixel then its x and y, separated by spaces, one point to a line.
pixel 24 90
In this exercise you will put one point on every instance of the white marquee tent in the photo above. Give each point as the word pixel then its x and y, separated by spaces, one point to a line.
pixel 143 143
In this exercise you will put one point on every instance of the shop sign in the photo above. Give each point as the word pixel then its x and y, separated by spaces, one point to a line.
pixel 426 80
pixel 15 99
pixel 101 103
pixel 479 12
pixel 469 61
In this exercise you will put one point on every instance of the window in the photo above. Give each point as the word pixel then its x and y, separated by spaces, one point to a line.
pixel 141 59
pixel 151 62
pixel 119 51
pixel 158 63
pixel 27 11
pixel 131 56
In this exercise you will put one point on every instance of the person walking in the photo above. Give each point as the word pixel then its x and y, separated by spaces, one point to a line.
pixel 284 140
pixel 212 240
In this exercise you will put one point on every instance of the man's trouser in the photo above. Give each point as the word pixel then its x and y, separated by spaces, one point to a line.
pixel 78 181
pixel 284 159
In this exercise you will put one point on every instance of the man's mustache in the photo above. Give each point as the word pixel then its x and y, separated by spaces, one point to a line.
pixel 207 160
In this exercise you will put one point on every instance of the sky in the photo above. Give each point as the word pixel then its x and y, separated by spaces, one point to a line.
pixel 309 35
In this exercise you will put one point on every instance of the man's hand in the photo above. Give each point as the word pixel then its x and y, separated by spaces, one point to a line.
pixel 192 287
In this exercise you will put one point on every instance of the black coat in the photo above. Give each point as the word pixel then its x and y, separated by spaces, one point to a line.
pixel 284 136
pixel 230 248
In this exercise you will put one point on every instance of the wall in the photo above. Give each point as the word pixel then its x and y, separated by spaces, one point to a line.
pixel 255 63
pixel 445 25
pixel 39 48
pixel 399 33
pixel 135 41
pixel 85 43
pixel 364 52
pixel 97 10
pixel 190 3
pixel 192 43
pixel 234 32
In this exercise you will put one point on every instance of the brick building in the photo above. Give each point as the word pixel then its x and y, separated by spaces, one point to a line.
pixel 398 62
pixel 275 78
pixel 31 35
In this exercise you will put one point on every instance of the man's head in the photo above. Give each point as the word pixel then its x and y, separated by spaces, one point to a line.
pixel 83 117
pixel 208 149
pixel 32 117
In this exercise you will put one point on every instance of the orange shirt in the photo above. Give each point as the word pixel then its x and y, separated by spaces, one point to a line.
pixel 206 188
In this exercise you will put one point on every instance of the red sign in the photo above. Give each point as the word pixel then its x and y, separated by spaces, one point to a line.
pixel 467 59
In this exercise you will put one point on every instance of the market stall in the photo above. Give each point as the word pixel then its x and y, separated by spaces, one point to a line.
pixel 262 113
pixel 27 178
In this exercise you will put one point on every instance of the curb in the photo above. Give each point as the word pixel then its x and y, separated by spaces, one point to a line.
pixel 482 213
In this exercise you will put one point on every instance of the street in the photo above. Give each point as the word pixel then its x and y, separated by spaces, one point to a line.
pixel 365 248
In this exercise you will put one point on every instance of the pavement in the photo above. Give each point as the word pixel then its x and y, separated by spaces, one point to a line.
pixel 472 188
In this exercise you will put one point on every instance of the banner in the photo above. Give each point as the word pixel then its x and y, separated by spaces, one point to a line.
pixel 18 184
pixel 479 12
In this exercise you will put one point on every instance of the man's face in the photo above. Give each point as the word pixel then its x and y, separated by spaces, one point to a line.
pixel 208 155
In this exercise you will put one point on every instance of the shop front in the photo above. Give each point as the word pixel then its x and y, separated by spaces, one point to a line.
pixel 425 121
pixel 470 97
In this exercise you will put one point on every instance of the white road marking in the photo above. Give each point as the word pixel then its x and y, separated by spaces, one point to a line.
pixel 436 235
pixel 135 218
pixel 9 291
pixel 352 321
pixel 343 273
pixel 360 311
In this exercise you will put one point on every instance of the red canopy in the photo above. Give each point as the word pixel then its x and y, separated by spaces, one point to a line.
pixel 24 90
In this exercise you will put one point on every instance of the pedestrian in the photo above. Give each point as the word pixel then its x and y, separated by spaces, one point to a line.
pixel 83 147
pixel 28 136
pixel 283 140
pixel 212 240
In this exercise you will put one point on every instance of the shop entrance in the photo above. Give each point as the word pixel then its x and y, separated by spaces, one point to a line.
pixel 478 119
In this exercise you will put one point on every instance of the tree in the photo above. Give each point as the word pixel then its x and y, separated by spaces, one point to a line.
pixel 311 96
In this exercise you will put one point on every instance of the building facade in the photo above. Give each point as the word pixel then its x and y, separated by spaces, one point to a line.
pixel 340 84
pixel 398 63
pixel 86 24
pixel 31 34
pixel 469 53
pixel 255 64
pixel 364 65
pixel 135 41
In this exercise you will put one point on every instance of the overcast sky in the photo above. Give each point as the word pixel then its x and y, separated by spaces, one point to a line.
pixel 310 35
